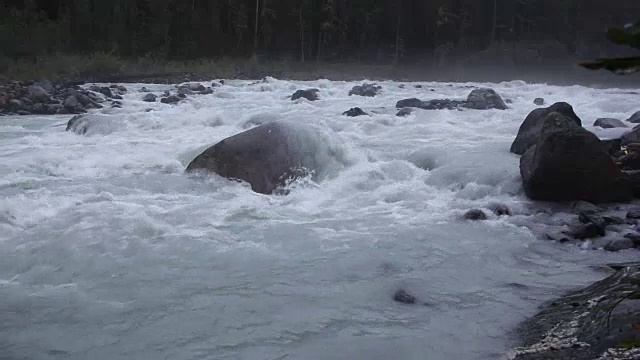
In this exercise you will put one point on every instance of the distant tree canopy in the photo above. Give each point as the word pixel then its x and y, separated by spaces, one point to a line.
pixel 630 36
pixel 333 30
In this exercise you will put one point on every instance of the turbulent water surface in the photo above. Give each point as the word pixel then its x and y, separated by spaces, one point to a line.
pixel 109 251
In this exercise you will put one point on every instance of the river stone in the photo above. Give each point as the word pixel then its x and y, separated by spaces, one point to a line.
pixel 484 99
pixel 568 163
pixel 609 123
pixel 354 112
pixel 270 156
pixel 529 132
pixel 309 94
pixel 635 118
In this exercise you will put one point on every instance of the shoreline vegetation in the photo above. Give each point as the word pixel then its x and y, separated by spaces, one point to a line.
pixel 108 68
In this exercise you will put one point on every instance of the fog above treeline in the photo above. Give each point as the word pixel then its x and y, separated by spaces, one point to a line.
pixel 437 33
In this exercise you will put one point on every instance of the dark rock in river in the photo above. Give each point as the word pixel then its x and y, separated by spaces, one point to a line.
pixel 309 94
pixel 439 104
pixel 609 123
pixel 150 98
pixel 484 99
pixel 475 215
pixel 171 99
pixel 597 322
pixel 569 163
pixel 404 112
pixel 635 118
pixel 353 112
pixel 538 101
pixel 409 103
pixel 91 124
pixel 529 132
pixel 369 90
pixel 270 156
pixel 404 297
pixel 619 245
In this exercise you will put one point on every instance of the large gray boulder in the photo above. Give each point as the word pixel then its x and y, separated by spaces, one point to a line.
pixel 484 99
pixel 569 163
pixel 270 156
pixel 529 132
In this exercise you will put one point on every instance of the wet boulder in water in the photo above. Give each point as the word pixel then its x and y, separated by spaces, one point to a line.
pixel 404 297
pixel 635 118
pixel 409 103
pixel 484 99
pixel 149 97
pixel 538 101
pixel 568 163
pixel 529 132
pixel 271 155
pixel 404 112
pixel 475 215
pixel 369 90
pixel 91 124
pixel 354 112
pixel 609 123
pixel 309 94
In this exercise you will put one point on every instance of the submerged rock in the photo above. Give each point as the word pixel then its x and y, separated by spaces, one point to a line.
pixel 309 94
pixel 404 297
pixel 609 123
pixel 529 132
pixel 440 104
pixel 91 124
pixel 589 323
pixel 369 90
pixel 635 118
pixel 538 101
pixel 353 112
pixel 475 215
pixel 404 112
pixel 270 156
pixel 568 163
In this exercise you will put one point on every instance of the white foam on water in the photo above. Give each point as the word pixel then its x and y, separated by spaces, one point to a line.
pixel 111 251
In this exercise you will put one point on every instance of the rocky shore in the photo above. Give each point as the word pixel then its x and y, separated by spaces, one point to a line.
pixel 601 321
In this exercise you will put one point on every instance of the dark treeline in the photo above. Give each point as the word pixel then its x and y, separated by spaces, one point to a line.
pixel 380 31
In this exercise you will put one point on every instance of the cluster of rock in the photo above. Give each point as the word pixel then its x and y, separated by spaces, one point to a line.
pixel 564 162
pixel 182 91
pixel 478 99
pixel 46 98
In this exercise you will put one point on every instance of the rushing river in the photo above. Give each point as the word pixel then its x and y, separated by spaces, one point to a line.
pixel 109 251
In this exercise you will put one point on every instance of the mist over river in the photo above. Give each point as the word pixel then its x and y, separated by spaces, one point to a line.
pixel 110 251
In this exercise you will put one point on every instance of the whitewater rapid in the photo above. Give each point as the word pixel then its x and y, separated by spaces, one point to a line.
pixel 109 251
